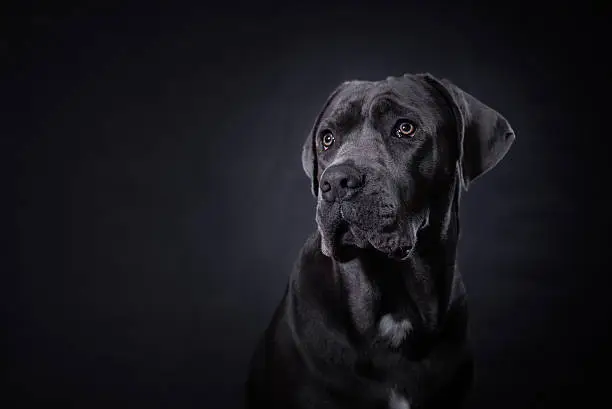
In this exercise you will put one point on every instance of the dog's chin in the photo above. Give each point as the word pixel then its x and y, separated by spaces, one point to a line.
pixel 348 241
pixel 341 243
pixel 348 229
pixel 395 245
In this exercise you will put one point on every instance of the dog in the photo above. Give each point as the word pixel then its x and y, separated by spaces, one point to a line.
pixel 374 314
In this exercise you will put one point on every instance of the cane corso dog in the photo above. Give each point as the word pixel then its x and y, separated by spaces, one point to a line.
pixel 374 314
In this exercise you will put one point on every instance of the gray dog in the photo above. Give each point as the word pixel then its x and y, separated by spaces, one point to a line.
pixel 374 314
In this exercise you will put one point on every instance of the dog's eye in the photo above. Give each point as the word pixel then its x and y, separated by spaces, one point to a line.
pixel 327 140
pixel 405 129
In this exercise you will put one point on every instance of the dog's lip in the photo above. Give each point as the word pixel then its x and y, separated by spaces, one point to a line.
pixel 387 221
pixel 401 253
pixel 346 238
pixel 349 234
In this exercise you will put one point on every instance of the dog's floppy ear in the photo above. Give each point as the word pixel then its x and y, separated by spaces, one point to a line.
pixel 485 135
pixel 309 150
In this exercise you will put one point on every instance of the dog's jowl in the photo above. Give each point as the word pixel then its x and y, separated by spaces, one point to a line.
pixel 374 314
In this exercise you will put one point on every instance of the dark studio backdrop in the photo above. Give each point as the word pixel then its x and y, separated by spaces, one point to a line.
pixel 153 200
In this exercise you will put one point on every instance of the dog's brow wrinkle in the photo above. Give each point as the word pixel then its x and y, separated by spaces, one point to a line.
pixel 379 107
pixel 381 104
pixel 344 115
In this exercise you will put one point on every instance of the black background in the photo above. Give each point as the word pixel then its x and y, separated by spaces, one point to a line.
pixel 153 199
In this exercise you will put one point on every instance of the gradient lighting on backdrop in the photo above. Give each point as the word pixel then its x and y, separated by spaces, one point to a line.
pixel 155 200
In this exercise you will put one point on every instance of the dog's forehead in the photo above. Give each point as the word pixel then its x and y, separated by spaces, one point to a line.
pixel 357 95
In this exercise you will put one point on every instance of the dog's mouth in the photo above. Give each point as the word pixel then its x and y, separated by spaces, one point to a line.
pixel 347 229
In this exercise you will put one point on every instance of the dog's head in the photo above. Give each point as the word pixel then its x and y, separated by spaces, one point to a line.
pixel 378 151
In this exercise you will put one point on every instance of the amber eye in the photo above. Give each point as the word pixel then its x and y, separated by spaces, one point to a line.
pixel 327 140
pixel 405 129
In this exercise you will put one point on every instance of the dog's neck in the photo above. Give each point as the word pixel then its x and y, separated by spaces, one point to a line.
pixel 418 289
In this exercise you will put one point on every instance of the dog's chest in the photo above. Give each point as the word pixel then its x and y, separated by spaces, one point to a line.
pixel 397 401
pixel 394 330
pixel 363 302
pixel 370 312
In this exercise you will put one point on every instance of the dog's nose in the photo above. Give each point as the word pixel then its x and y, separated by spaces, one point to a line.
pixel 340 182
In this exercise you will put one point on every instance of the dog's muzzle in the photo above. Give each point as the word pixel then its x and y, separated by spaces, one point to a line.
pixel 355 214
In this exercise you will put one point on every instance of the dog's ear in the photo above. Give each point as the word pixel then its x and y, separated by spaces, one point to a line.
pixel 485 136
pixel 309 150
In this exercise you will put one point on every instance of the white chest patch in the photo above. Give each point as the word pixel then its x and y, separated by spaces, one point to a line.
pixel 397 401
pixel 394 331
